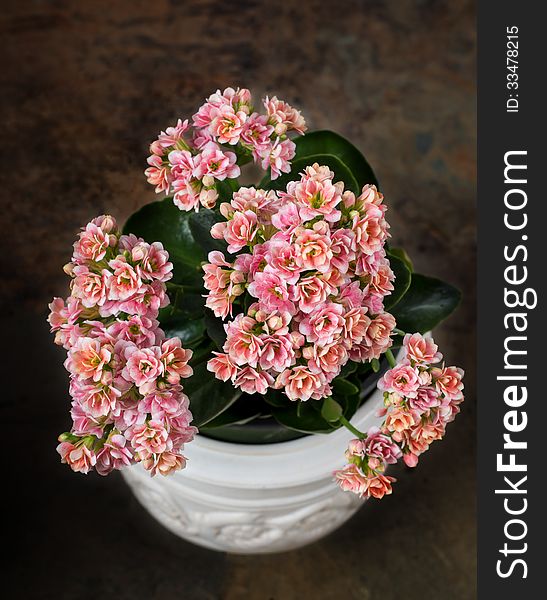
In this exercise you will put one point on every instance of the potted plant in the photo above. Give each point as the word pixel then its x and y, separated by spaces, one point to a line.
pixel 275 319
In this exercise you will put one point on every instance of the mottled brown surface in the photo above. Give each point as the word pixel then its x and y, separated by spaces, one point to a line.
pixel 85 86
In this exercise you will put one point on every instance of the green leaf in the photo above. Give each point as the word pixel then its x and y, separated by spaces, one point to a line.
pixel 402 281
pixel 426 303
pixel 343 387
pixel 190 331
pixel 209 396
pixel 163 222
pixel 401 254
pixel 215 328
pixel 200 226
pixel 327 148
pixel 331 411
pixel 308 421
pixel 246 409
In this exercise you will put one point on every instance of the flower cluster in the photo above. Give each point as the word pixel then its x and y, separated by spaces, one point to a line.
pixel 421 396
pixel 128 403
pixel 313 263
pixel 189 160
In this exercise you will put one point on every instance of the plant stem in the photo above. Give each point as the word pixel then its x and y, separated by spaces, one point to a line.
pixel 353 429
pixel 390 358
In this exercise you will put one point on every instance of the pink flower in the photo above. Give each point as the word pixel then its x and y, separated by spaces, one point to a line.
pixel 158 174
pixel 377 339
pixel 241 230
pixel 163 403
pixel 164 463
pixel 143 367
pixel 411 460
pixel 92 244
pixel 152 261
pixel 425 399
pixel 148 438
pixel 175 360
pixel 114 455
pixel 242 345
pixel 83 424
pixel 277 352
pixel 220 302
pixel 355 327
pixel 324 324
pixel 399 420
pixel 328 358
pixel 63 320
pixel 283 116
pixel 342 249
pixel 378 486
pixel 281 259
pixel 310 292
pixel 381 446
pixel 249 198
pixel 212 161
pixel 351 479
pixel 448 381
pixel 256 134
pixel 313 247
pixel 79 458
pixel 90 288
pixel 97 400
pixel 252 381
pixel 315 197
pixel 300 383
pixel 88 359
pixel 421 350
pixel 186 194
pixel 272 292
pixel 351 295
pixel 172 135
pixel 125 282
pixel 221 365
pixel 278 156
pixel 287 218
pixel 370 229
pixel 402 379
pixel 227 124
pixel 139 330
pixel 356 448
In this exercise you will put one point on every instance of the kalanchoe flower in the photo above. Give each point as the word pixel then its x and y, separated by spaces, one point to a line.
pixel 189 161
pixel 128 404
pixel 296 261
pixel 420 399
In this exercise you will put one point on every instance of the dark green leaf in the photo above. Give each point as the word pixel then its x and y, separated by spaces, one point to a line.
pixel 343 387
pixel 244 410
pixel 426 303
pixel 200 226
pixel 331 411
pixel 327 148
pixel 209 396
pixel 349 368
pixel 215 328
pixel 309 420
pixel 163 222
pixel 190 331
pixel 401 254
pixel 402 281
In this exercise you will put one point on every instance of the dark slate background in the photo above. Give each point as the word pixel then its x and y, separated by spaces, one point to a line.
pixel 85 87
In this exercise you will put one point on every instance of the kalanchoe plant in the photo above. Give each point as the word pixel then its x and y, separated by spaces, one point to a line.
pixel 285 302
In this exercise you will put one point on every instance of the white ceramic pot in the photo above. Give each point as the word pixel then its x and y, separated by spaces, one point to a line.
pixel 247 498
